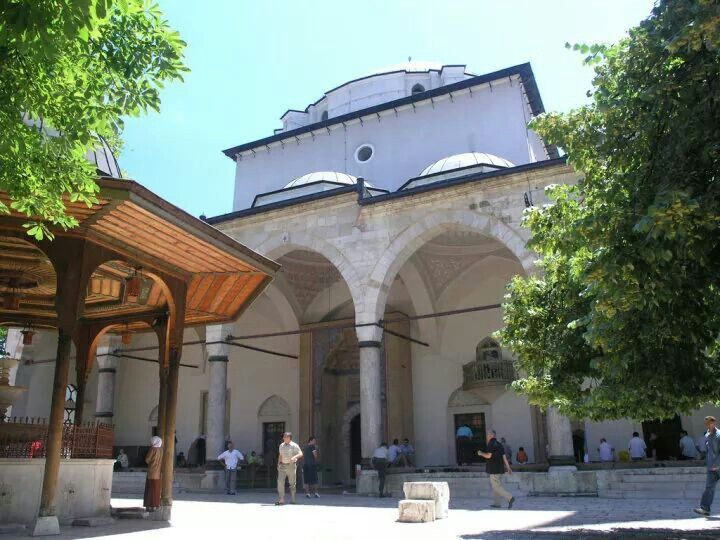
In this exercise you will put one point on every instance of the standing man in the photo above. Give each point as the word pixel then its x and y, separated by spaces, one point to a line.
pixel 496 466
pixel 310 473
pixel 380 464
pixel 712 460
pixel 288 455
pixel 637 447
pixel 230 458
pixel 463 438
pixel 688 450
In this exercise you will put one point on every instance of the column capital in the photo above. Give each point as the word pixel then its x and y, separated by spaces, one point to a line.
pixel 215 335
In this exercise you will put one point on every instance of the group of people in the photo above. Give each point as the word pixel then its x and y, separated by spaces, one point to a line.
pixel 638 450
pixel 498 458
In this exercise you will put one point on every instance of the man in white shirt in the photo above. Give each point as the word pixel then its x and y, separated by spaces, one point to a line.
pixel 380 464
pixel 288 455
pixel 607 452
pixel 688 450
pixel 637 447
pixel 230 459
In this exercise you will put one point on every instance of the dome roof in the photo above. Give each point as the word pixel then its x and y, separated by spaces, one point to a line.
pixel 412 66
pixel 104 160
pixel 468 159
pixel 323 176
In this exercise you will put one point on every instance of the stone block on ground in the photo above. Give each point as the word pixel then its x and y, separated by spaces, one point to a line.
pixel 130 513
pixel 439 492
pixel 45 526
pixel 411 511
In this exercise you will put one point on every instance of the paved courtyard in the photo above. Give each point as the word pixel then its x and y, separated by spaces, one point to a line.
pixel 351 517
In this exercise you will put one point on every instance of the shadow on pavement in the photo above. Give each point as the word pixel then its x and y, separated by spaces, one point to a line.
pixel 644 534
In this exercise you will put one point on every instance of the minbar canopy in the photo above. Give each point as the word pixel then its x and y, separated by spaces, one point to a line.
pixel 143 240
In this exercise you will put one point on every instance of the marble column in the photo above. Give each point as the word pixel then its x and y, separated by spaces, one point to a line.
pixel 107 368
pixel 559 440
pixel 217 352
pixel 370 394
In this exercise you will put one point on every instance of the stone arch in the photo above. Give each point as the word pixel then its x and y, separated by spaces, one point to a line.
pixel 274 406
pixel 412 238
pixel 280 244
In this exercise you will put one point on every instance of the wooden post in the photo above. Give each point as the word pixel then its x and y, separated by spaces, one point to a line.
pixel 55 425
pixel 74 261
pixel 163 355
pixel 170 417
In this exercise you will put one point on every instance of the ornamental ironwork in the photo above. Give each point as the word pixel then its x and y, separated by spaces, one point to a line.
pixel 27 438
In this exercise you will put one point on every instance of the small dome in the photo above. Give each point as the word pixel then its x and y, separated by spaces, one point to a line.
pixel 323 176
pixel 468 159
pixel 104 160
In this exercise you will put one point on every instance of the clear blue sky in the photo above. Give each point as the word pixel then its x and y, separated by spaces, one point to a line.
pixel 251 61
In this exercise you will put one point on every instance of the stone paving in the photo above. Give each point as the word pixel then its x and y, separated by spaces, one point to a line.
pixel 252 515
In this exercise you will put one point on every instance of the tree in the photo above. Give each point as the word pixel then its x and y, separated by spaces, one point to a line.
pixel 70 70
pixel 623 319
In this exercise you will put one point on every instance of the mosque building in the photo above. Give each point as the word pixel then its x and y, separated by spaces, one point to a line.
pixel 393 204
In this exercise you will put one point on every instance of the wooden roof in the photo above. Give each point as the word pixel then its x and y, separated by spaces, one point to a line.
pixel 151 235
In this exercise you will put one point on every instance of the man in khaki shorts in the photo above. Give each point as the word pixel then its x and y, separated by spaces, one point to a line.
pixel 288 456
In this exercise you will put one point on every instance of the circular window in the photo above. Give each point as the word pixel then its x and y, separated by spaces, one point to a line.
pixel 364 153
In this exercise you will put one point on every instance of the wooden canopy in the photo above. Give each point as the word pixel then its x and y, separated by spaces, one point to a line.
pixel 150 238
pixel 134 262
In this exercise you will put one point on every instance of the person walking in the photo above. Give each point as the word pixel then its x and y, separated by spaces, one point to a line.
pixel 637 447
pixel 497 464
pixel 380 464
pixel 712 464
pixel 688 450
pixel 288 455
pixel 153 487
pixel 230 459
pixel 310 473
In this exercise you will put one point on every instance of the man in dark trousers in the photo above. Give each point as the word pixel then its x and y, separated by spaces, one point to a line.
pixel 712 458
pixel 496 466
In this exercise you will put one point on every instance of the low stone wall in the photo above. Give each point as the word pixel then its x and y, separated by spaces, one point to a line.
pixel 133 482
pixel 84 489
pixel 645 483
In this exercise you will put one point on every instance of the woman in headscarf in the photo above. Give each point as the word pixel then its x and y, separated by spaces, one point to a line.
pixel 151 501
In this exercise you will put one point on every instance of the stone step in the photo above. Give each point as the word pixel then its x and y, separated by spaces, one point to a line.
pixel 130 513
pixel 101 521
pixel 652 487
pixel 412 511
pixel 16 529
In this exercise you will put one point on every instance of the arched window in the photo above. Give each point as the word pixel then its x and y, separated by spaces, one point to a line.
pixel 488 349
pixel 417 89
pixel 324 116
pixel 70 403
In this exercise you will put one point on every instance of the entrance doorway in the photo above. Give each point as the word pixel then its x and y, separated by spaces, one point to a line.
pixel 661 437
pixel 272 439
pixel 470 432
pixel 355 445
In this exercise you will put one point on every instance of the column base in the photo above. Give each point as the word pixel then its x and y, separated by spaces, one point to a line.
pixel 45 526
pixel 213 479
pixel 163 513
pixel 563 462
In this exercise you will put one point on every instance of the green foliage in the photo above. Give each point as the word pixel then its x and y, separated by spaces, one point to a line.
pixel 625 317
pixel 70 70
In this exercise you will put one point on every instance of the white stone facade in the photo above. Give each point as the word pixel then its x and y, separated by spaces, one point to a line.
pixel 453 245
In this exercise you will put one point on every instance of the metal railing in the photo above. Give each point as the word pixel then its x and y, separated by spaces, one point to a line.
pixel 488 372
pixel 27 438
